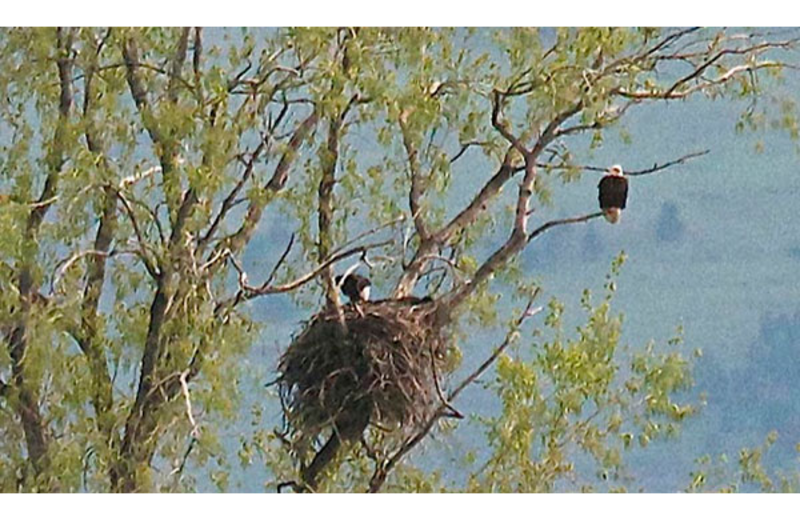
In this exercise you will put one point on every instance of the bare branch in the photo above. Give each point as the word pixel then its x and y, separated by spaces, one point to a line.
pixel 280 261
pixel 560 222
pixel 466 146
pixel 657 167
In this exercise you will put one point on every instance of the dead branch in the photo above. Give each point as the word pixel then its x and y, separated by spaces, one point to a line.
pixel 464 147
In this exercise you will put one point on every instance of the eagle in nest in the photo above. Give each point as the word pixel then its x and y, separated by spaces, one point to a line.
pixel 355 287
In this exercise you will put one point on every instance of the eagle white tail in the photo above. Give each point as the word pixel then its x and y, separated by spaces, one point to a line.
pixel 613 215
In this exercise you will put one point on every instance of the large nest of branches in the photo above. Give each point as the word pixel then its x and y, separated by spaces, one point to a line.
pixel 380 368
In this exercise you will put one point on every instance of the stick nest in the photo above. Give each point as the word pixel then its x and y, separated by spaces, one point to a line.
pixel 379 371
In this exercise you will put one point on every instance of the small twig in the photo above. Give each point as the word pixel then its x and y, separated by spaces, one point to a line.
pixel 466 146
pixel 280 260
pixel 658 167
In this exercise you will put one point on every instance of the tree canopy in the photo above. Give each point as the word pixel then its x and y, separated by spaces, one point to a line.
pixel 139 166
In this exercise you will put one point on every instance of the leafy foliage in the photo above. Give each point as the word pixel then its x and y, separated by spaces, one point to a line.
pixel 138 168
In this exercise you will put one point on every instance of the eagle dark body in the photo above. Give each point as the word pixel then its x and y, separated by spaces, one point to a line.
pixel 613 192
pixel 355 287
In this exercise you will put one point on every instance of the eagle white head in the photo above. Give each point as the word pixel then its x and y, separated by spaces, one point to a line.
pixel 616 170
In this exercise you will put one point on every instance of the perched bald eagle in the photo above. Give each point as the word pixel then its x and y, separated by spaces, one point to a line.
pixel 355 287
pixel 613 193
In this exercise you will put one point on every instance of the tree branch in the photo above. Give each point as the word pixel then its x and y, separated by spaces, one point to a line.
pixel 325 213
pixel 28 403
pixel 657 167
pixel 230 199
pixel 144 256
pixel 281 174
pixel 250 292
pixel 476 207
pixel 560 222
pixel 417 183
pixel 383 469
pixel 88 337
pixel 679 90
pixel 176 72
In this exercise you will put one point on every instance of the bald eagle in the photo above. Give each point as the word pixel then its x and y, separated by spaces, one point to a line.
pixel 355 287
pixel 613 193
